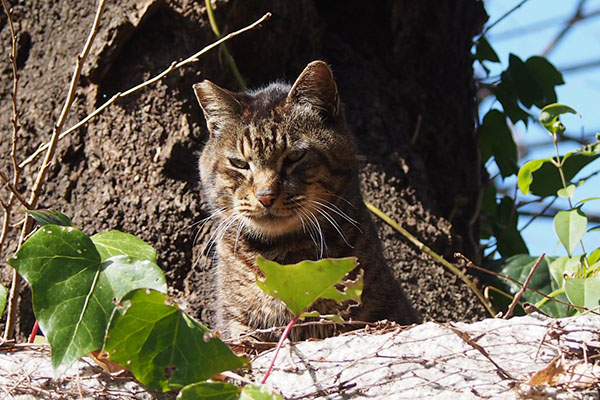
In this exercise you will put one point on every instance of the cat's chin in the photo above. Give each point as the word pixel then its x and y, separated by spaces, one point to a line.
pixel 273 227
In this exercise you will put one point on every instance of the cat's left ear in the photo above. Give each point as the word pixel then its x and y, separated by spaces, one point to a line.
pixel 220 106
pixel 316 87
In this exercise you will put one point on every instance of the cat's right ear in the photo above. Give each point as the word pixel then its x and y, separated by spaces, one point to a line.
pixel 219 105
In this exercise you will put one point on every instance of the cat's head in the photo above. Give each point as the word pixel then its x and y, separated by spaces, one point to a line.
pixel 278 159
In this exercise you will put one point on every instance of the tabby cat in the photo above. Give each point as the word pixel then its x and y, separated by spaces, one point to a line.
pixel 280 174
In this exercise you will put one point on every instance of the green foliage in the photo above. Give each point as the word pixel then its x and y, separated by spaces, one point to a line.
pixel 226 391
pixel 3 296
pixel 50 217
pixel 147 326
pixel 570 226
pixel 299 285
pixel 74 288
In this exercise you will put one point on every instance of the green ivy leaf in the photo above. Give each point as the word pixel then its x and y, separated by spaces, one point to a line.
pixel 496 140
pixel 162 346
pixel 50 217
pixel 541 177
pixel 210 390
pixel 3 296
pixel 258 392
pixel 584 292
pixel 567 192
pixel 549 117
pixel 299 285
pixel 570 227
pixel 527 87
pixel 506 94
pixel 115 243
pixel 594 257
pixel 73 290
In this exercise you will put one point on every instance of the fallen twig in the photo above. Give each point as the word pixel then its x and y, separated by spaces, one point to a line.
pixel 517 297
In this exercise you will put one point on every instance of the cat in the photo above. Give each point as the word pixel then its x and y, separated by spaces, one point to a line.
pixel 280 174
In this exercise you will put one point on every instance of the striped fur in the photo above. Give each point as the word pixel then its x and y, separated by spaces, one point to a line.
pixel 280 174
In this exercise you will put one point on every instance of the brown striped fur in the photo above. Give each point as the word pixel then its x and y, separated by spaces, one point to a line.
pixel 281 176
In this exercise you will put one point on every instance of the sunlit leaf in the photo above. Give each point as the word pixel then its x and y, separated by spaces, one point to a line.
pixel 162 346
pixel 50 217
pixel 563 266
pixel 594 256
pixel 567 192
pixel 115 243
pixel 299 285
pixel 550 116
pixel 73 289
pixel 570 226
pixel 258 392
pixel 210 391
pixel 3 296
pixel 584 292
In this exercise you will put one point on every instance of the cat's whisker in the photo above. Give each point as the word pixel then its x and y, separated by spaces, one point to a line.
pixel 335 225
pixel 219 232
pixel 237 234
pixel 332 207
pixel 308 228
pixel 203 222
pixel 315 223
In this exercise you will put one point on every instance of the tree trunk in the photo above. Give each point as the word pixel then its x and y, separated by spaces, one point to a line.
pixel 404 71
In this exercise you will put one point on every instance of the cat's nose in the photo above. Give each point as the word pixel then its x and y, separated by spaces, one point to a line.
pixel 266 199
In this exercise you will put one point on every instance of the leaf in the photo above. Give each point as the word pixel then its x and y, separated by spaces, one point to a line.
pixel 50 217
pixel 541 177
pixel 570 227
pixel 114 243
pixel 567 192
pixel 506 94
pixel 527 87
pixel 547 77
pixel 563 266
pixel 484 51
pixel 594 257
pixel 210 390
pixel 496 140
pixel 518 267
pixel 162 346
pixel 3 296
pixel 258 392
pixel 584 292
pixel 509 239
pixel 299 285
pixel 73 290
pixel 550 116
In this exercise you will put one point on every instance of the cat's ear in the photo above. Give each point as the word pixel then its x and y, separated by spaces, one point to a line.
pixel 220 106
pixel 316 87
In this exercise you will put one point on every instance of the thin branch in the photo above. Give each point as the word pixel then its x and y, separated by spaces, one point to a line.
pixel 517 297
pixel 35 190
pixel 421 246
pixel 14 191
pixel 172 67
pixel 506 14
pixel 572 21
pixel 284 336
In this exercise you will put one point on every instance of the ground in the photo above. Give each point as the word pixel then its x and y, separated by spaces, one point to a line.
pixel 404 73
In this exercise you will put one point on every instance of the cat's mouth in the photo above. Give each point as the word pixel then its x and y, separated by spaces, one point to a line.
pixel 272 223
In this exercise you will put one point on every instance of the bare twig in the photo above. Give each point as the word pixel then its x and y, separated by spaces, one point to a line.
pixel 14 191
pixel 172 67
pixel 506 14
pixel 517 297
pixel 421 246
pixel 35 190
pixel 572 21
pixel 502 373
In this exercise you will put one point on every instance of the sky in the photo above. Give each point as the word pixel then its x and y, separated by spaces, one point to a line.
pixel 526 32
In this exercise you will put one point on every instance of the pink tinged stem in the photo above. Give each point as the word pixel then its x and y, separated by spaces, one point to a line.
pixel 284 336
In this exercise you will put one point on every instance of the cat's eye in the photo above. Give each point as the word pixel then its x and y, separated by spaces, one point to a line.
pixel 240 164
pixel 295 156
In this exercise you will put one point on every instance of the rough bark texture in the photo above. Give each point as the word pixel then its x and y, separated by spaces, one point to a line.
pixel 404 73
